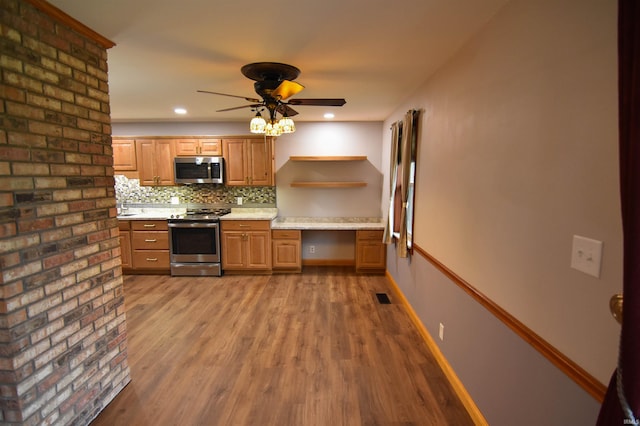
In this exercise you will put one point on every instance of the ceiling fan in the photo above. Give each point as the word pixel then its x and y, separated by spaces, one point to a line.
pixel 274 83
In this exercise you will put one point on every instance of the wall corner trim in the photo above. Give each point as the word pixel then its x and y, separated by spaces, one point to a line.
pixel 71 22
pixel 456 384
pixel 579 375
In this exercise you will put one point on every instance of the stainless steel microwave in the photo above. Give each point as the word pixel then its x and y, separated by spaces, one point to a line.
pixel 198 170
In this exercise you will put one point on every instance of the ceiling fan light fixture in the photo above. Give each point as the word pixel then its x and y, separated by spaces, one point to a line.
pixel 287 125
pixel 258 124
pixel 273 129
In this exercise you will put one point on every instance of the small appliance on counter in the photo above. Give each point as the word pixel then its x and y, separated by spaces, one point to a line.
pixel 194 242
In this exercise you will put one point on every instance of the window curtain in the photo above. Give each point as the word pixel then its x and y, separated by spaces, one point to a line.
pixel 408 134
pixel 403 142
pixel 393 182
pixel 622 400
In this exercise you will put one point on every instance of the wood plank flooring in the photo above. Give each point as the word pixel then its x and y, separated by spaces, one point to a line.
pixel 308 349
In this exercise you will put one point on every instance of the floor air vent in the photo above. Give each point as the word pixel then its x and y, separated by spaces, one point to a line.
pixel 383 299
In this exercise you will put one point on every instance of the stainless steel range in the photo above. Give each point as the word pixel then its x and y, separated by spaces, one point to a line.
pixel 194 243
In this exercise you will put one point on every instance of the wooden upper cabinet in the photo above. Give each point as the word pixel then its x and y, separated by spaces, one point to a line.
pixel 124 154
pixel 248 162
pixel 259 167
pixel 198 146
pixel 235 159
pixel 211 147
pixel 155 161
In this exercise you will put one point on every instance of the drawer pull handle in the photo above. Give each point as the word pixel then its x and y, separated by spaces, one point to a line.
pixel 150 241
pixel 244 226
pixel 152 259
pixel 152 225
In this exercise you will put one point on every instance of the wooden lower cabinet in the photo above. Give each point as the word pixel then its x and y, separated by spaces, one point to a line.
pixel 286 248
pixel 246 246
pixel 371 252
pixel 150 245
pixel 125 243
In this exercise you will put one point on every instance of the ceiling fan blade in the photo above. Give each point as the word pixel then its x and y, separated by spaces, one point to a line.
pixel 240 107
pixel 318 102
pixel 286 110
pixel 233 96
pixel 286 89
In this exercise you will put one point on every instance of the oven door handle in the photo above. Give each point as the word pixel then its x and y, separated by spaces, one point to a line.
pixel 193 225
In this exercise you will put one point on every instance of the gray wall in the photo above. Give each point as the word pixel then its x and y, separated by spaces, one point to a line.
pixel 518 153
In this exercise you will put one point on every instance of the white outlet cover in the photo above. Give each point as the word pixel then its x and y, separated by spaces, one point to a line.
pixel 586 255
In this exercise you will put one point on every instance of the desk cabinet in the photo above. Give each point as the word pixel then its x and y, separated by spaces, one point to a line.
pixel 371 252
pixel 286 250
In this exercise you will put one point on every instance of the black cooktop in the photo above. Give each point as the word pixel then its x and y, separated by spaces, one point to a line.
pixel 200 215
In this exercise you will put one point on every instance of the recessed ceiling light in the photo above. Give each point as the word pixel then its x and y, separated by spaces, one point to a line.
pixel 181 111
pixel 329 115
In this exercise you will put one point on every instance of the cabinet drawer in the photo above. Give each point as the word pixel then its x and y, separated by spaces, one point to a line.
pixel 151 259
pixel 285 234
pixel 149 225
pixel 370 235
pixel 151 240
pixel 246 225
pixel 124 225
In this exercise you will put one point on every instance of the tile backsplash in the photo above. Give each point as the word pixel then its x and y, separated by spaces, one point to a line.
pixel 130 191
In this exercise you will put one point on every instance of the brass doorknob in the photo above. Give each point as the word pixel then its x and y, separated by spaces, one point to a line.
pixel 615 306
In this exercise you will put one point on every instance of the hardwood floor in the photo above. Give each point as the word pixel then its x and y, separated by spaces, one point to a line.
pixel 308 349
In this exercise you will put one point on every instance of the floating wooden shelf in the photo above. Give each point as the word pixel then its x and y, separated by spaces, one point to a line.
pixel 327 184
pixel 328 158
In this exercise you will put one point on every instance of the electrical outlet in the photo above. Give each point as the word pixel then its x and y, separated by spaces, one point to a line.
pixel 312 249
pixel 239 200
pixel 441 332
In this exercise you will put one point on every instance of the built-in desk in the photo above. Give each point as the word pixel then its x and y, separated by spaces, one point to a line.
pixel 370 252
pixel 328 223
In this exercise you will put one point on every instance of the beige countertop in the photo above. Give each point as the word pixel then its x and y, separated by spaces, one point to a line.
pixel 270 214
pixel 251 214
pixel 328 223
pixel 149 213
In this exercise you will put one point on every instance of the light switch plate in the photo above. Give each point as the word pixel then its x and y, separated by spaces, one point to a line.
pixel 586 255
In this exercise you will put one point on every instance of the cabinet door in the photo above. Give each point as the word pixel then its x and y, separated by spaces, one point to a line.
pixel 146 162
pixel 186 146
pixel 124 155
pixel 164 162
pixel 155 161
pixel 233 250
pixel 370 251
pixel 259 161
pixel 125 249
pixel 370 255
pixel 258 250
pixel 235 160
pixel 211 147
pixel 286 254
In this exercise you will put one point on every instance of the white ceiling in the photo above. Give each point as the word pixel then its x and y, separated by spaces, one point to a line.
pixel 373 53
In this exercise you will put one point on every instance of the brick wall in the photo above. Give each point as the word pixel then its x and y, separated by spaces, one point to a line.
pixel 62 323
